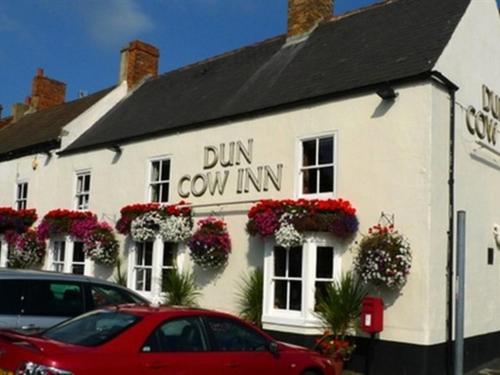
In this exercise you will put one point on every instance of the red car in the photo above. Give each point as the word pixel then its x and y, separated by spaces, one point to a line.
pixel 143 340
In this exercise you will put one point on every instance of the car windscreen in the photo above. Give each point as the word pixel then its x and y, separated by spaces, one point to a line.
pixel 92 329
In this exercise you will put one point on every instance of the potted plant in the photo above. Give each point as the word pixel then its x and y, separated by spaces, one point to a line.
pixel 250 296
pixel 180 288
pixel 339 308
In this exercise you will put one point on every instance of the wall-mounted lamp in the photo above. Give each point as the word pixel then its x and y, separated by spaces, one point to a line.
pixel 115 148
pixel 387 93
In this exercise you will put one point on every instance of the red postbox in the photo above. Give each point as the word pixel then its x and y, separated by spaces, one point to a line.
pixel 372 315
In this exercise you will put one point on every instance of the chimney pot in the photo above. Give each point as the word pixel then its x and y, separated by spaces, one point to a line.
pixel 304 15
pixel 39 72
pixel 138 60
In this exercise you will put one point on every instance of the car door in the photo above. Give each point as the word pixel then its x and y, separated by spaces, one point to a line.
pixel 48 302
pixel 105 295
pixel 178 346
pixel 11 292
pixel 240 349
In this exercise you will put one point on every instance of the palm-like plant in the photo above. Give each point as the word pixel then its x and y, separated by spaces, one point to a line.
pixel 340 306
pixel 121 275
pixel 180 288
pixel 250 296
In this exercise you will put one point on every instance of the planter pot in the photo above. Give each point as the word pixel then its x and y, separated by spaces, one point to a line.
pixel 338 365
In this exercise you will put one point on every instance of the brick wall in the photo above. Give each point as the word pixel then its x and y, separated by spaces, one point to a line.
pixel 139 60
pixel 46 92
pixel 303 15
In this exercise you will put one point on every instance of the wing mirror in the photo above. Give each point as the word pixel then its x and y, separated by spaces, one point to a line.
pixel 273 348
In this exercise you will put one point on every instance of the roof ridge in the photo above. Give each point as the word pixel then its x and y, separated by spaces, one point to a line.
pixel 223 55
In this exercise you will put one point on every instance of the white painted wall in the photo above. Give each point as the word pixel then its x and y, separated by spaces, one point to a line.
pixel 383 165
pixel 471 60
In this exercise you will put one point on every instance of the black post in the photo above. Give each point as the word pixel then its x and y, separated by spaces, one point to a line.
pixel 369 354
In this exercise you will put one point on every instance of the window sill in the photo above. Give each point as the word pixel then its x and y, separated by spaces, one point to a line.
pixel 283 323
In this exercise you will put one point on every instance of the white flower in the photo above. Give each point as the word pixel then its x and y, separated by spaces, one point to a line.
pixel 176 228
pixel 145 227
pixel 288 236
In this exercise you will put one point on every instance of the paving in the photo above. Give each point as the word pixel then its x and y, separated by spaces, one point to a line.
pixel 490 368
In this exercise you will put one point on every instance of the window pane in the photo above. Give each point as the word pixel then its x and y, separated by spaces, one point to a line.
pixel 148 261
pixel 324 262
pixel 78 254
pixel 48 298
pixel 310 181
pixel 326 180
pixel 165 170
pixel 148 280
pixel 25 192
pixel 164 192
pixel 140 254
pixel 92 329
pixel 139 279
pixel 321 287
pixel 78 269
pixel 11 292
pixel 326 150
pixel 230 336
pixel 105 295
pixel 155 193
pixel 179 335
pixel 155 171
pixel 295 262
pixel 309 153
pixel 86 186
pixel 280 294
pixel 279 261
pixel 295 295
pixel 168 254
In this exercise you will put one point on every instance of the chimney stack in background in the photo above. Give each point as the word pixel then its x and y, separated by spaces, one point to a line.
pixel 304 15
pixel 46 92
pixel 138 61
pixel 19 110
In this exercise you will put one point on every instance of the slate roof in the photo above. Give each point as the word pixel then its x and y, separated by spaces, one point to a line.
pixel 386 42
pixel 40 131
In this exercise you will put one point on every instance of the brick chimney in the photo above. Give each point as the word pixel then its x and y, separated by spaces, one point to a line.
pixel 304 15
pixel 46 92
pixel 138 61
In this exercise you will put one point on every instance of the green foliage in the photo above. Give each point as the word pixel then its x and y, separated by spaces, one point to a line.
pixel 180 289
pixel 340 306
pixel 121 274
pixel 250 296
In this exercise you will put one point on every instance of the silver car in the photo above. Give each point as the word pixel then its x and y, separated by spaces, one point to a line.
pixel 34 300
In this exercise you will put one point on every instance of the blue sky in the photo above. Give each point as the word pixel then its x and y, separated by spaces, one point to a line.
pixel 78 41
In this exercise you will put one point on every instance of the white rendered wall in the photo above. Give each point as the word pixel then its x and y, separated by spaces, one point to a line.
pixel 471 60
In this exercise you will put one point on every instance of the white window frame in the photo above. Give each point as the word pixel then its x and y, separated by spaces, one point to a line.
pixel 79 193
pixel 149 190
pixel 299 167
pixel 4 249
pixel 304 321
pixel 155 294
pixel 89 265
pixel 58 261
pixel 21 202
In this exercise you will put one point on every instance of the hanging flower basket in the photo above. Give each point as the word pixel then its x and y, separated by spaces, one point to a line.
pixel 210 245
pixel 144 222
pixel 99 241
pixel 289 219
pixel 16 220
pixel 384 257
pixel 25 249
pixel 63 222
pixel 101 245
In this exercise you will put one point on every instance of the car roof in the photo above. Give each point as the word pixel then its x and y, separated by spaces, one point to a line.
pixel 144 310
pixel 19 274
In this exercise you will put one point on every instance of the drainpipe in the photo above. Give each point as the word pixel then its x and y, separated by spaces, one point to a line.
pixel 452 89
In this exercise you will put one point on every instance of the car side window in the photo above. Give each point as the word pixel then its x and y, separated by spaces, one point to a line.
pixel 12 293
pixel 53 298
pixel 177 335
pixel 231 336
pixel 103 295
